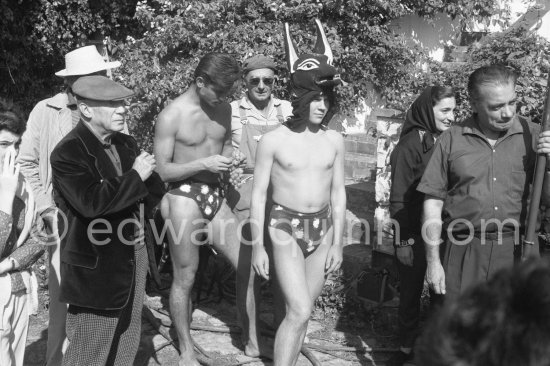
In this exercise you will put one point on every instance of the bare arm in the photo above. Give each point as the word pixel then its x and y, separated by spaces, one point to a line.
pixel 227 150
pixel 164 143
pixel 338 204
pixel 431 227
pixel 431 233
pixel 338 192
pixel 262 175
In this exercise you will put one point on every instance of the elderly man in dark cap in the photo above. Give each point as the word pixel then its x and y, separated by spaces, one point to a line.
pixel 100 180
pixel 50 120
pixel 252 116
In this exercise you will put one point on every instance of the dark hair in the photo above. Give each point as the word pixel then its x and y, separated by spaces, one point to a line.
pixel 11 118
pixel 492 74
pixel 502 322
pixel 441 92
pixel 218 68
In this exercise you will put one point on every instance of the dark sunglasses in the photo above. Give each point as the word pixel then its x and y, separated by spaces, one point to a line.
pixel 256 81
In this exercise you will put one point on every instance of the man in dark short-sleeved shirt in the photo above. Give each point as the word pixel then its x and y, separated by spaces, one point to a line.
pixel 477 186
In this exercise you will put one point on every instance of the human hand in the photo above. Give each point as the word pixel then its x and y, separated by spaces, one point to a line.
pixel 217 163
pixel 405 255
pixel 9 180
pixel 260 261
pixel 435 276
pixel 543 144
pixel 334 259
pixel 144 164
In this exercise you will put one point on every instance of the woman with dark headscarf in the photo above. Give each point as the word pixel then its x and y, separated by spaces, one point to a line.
pixel 430 114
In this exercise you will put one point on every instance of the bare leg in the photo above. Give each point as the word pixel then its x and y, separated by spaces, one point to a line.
pixel 315 271
pixel 179 214
pixel 248 288
pixel 300 281
pixel 279 307
pixel 226 240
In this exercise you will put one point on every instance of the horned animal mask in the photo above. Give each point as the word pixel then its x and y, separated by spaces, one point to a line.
pixel 311 74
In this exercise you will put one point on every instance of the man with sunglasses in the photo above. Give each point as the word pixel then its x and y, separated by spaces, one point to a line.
pixel 255 114
pixel 258 111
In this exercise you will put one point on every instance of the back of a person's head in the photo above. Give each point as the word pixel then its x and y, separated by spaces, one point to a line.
pixel 502 322
pixel 218 68
pixel 11 118
pixel 492 74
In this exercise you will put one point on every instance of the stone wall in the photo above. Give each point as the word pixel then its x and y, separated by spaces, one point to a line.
pixel 367 174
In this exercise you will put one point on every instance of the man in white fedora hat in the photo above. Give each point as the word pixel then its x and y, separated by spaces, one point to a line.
pixel 50 120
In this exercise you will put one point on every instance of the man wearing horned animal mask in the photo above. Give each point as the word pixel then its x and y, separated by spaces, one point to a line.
pixel 304 164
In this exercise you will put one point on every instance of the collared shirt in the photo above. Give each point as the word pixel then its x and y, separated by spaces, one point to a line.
pixel 113 155
pixel 479 182
pixel 49 121
pixel 110 149
pixel 254 116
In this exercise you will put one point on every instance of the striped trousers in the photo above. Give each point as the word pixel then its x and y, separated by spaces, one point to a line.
pixel 108 337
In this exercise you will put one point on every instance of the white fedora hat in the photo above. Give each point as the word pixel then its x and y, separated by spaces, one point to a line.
pixel 85 60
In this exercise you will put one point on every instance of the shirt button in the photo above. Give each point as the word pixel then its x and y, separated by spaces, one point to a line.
pixel 494 150
pixel 496 208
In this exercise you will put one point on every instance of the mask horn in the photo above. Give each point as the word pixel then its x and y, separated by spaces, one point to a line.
pixel 291 55
pixel 321 45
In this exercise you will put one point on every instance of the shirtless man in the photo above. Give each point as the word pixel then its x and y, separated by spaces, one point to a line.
pixel 193 147
pixel 304 164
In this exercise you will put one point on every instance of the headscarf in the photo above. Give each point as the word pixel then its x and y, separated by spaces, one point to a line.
pixel 420 116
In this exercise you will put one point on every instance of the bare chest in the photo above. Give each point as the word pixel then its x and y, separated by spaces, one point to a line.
pixel 311 157
pixel 201 132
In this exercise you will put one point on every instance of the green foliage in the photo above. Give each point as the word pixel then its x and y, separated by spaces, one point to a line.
pixel 528 54
pixel 463 9
pixel 520 49
pixel 35 35
pixel 338 298
pixel 160 63
pixel 161 41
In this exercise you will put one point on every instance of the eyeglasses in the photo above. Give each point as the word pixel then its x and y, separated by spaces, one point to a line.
pixel 256 81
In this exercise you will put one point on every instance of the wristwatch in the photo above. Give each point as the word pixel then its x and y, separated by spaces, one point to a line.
pixel 405 243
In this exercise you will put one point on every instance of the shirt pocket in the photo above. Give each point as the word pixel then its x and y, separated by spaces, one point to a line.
pixel 516 187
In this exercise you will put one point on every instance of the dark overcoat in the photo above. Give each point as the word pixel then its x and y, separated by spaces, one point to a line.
pixel 96 212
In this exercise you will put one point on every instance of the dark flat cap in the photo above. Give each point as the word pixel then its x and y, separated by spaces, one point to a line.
pixel 100 88
pixel 258 62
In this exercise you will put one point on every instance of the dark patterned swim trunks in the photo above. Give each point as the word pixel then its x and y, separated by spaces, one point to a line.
pixel 308 229
pixel 208 196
